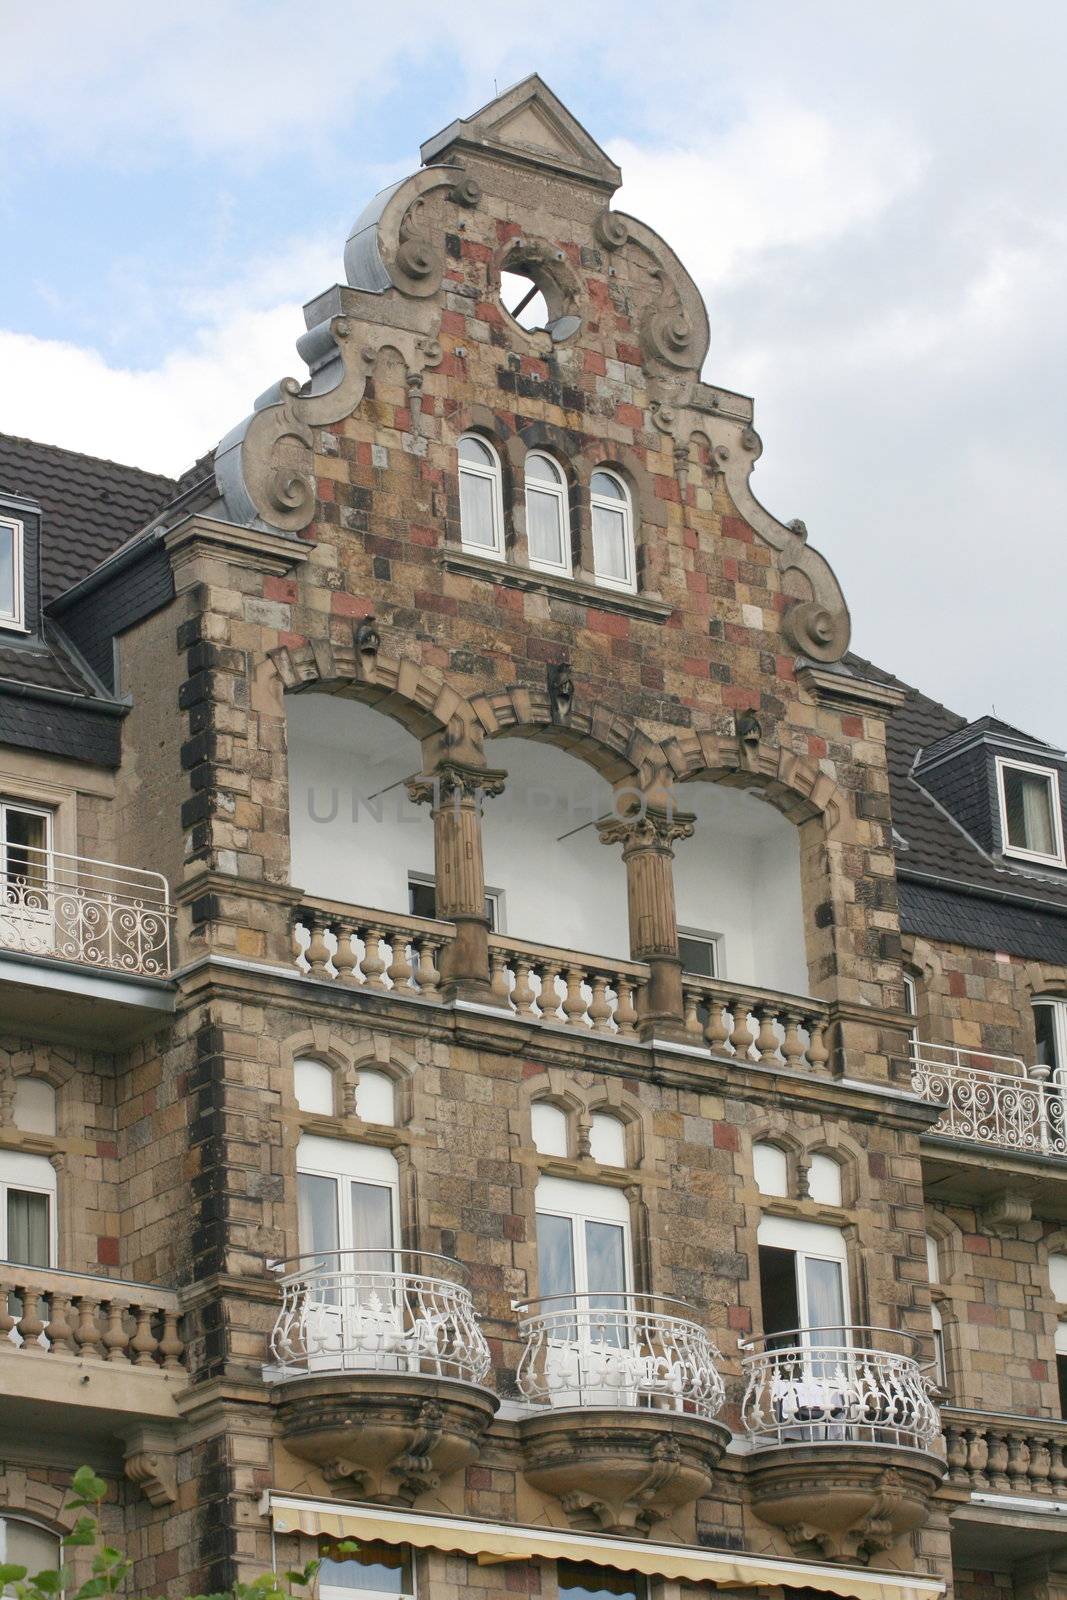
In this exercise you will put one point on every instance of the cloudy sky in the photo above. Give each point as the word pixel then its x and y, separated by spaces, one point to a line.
pixel 871 196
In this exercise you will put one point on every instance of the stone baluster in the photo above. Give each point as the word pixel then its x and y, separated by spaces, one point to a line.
pixel 792 1045
pixel 373 963
pixel 59 1332
pixel 346 959
pixel 317 954
pixel 522 995
pixel 87 1334
pixel 574 1006
pixel 498 974
pixel 8 1319
pixel 115 1339
pixel 1039 1465
pixel 549 998
pixel 997 1464
pixel 766 1037
pixel 600 1005
pixel 427 976
pixel 400 969
pixel 143 1343
pixel 978 1455
pixel 716 1033
pixel 691 999
pixel 625 1006
pixel 818 1054
pixel 956 1453
pixel 456 791
pixel 170 1345
pixel 1018 1461
pixel 742 1038
pixel 647 840
pixel 1057 1470
pixel 31 1324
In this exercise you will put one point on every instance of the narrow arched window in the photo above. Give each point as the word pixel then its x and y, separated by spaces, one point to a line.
pixel 375 1098
pixel 548 531
pixel 607 1140
pixel 313 1085
pixel 24 1543
pixel 35 1106
pixel 551 1132
pixel 614 563
pixel 481 504
pixel 824 1180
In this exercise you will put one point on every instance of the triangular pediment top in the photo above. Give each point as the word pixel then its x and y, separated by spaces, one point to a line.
pixel 531 125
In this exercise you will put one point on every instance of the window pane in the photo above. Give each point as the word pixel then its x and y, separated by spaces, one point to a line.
pixel 607 1140
pixel 581 1580
pixel 313 1084
pixel 825 1295
pixel 28 1228
pixel 25 1545
pixel 603 483
pixel 372 1223
pixel 383 1568
pixel 1028 809
pixel 549 1129
pixel 1045 1033
pixel 376 1098
pixel 778 1289
pixel 824 1180
pixel 317 1204
pixel 698 955
pixel 27 844
pixel 555 1255
pixel 770 1168
pixel 609 544
pixel 544 527
pixel 474 450
pixel 541 467
pixel 605 1256
pixel 7 572
pixel 476 511
pixel 422 899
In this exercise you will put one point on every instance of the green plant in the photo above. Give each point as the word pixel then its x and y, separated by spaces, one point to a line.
pixel 110 1568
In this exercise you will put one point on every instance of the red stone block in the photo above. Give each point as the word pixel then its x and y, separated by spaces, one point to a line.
pixel 107 1252
pixel 283 589
pixel 629 416
pixel 609 622
pixel 726 1136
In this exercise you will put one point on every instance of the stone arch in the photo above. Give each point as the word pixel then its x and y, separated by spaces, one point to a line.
pixel 319 1043
pixel 1039 979
pixel 613 1098
pixel 610 743
pixel 851 1157
pixel 790 1146
pixel 949 1236
pixel 794 785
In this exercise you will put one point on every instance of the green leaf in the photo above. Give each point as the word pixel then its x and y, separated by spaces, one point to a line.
pixel 9 1573
pixel 88 1488
pixel 84 1531
pixel 49 1582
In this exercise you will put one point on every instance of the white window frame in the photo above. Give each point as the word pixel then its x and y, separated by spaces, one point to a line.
pixel 714 941
pixel 580 1203
pixel 1058 1006
pixel 28 1174
pixel 494 475
pixel 15 620
pixel 627 585
pixel 809 1241
pixel 557 490
pixel 7 1515
pixel 1052 780
pixel 346 1163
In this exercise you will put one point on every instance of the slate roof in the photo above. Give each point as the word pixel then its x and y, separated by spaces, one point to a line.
pixel 1011 911
pixel 90 506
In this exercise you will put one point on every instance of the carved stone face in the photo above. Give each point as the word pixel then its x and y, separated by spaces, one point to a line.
pixel 749 730
pixel 368 639
pixel 560 688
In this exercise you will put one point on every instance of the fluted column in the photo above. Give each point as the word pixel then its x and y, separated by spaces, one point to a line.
pixel 646 840
pixel 456 793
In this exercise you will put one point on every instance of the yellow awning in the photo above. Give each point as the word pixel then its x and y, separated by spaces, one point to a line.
pixel 491 1542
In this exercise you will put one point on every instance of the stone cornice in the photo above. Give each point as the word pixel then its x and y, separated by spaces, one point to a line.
pixel 862 695
pixel 255 549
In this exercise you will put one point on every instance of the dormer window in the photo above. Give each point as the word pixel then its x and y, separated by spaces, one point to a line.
pixel 1030 816
pixel 12 601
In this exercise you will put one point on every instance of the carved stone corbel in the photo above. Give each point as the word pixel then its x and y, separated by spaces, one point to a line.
pixel 149 1462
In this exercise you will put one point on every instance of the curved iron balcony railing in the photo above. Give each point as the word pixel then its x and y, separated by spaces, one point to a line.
pixel 991 1100
pixel 837 1385
pixel 618 1350
pixel 382 1311
pixel 95 913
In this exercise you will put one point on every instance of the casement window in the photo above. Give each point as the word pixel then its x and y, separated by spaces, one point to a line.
pixel 1057 1273
pixel 548 528
pixel 933 1267
pixel 24 1543
pixel 349 1569
pixel 803 1281
pixel 481 500
pixel 614 561
pixel 699 953
pixel 422 901
pixel 582 1580
pixel 27 1209
pixel 12 593
pixel 1030 816
pixel 911 1004
pixel 585 1276
pixel 25 852
pixel 1050 1032
pixel 348 1197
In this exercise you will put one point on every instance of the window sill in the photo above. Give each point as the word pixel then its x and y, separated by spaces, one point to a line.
pixel 577 590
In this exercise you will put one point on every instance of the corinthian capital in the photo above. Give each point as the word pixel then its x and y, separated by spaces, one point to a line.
pixel 453 782
pixel 647 829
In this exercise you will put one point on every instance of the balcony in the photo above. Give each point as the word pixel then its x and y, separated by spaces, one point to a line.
pixel 991 1100
pixel 628 1392
pixel 378 1369
pixel 843 1428
pixel 95 931
pixel 105 1354
pixel 1011 1475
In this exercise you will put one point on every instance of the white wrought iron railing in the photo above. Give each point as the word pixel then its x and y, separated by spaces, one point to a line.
pixel 75 908
pixel 835 1385
pixel 376 1311
pixel 618 1350
pixel 991 1100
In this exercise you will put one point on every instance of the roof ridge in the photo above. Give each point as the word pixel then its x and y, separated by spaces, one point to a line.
pixel 83 455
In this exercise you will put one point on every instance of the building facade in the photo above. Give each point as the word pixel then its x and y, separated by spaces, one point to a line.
pixel 518 1052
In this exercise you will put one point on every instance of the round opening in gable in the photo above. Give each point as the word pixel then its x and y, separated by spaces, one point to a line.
pixel 524 300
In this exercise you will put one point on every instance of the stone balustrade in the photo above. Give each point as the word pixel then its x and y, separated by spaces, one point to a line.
pixel 734 1019
pixel 543 984
pixel 1006 1455
pixel 368 949
pixel 47 1313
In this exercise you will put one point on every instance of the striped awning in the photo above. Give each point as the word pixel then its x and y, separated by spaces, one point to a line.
pixel 492 1542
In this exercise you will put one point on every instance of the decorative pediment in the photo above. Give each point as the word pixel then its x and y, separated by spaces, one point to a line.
pixel 528 124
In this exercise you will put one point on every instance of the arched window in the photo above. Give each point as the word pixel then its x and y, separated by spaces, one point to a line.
pixel 481 502
pixel 27 1209
pixel 614 563
pixel 771 1169
pixel 824 1180
pixel 26 1544
pixel 548 529
pixel 550 1131
pixel 313 1085
pixel 1050 1031
pixel 1057 1275
pixel 35 1106
pixel 375 1097
pixel 607 1140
